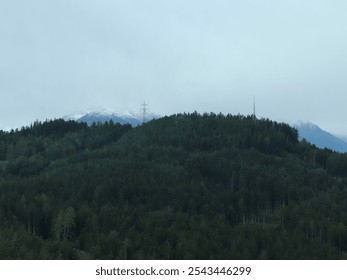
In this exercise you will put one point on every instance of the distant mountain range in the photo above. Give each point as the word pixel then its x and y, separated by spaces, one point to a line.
pixel 319 137
pixel 103 115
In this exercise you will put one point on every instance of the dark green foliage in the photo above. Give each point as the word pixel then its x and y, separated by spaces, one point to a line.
pixel 52 128
pixel 188 186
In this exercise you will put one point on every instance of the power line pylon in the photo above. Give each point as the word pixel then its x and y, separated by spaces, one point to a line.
pixel 144 112
pixel 254 117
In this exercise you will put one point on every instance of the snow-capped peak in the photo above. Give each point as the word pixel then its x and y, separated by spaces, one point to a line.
pixel 307 124
pixel 103 111
pixel 105 114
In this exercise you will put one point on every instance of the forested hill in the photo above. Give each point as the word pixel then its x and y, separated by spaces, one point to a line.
pixel 187 186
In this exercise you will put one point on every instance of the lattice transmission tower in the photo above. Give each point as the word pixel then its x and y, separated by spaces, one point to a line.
pixel 254 117
pixel 144 112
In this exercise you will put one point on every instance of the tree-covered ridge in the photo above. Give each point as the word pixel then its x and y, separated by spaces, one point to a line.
pixel 186 186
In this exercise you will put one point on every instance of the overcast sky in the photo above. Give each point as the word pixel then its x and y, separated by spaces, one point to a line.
pixel 62 57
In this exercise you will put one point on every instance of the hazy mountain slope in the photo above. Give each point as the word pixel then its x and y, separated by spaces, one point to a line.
pixel 317 136
pixel 96 117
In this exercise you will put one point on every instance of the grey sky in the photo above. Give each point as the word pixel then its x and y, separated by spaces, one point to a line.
pixel 61 57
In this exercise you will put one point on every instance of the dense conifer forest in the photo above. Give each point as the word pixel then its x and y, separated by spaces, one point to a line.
pixel 187 186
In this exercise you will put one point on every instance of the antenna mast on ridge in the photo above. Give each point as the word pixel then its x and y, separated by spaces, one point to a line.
pixel 144 112
pixel 254 108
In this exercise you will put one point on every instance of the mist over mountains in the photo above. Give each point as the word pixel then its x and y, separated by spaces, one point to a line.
pixel 105 115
